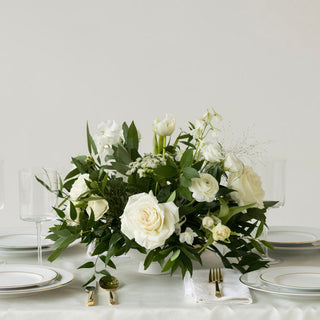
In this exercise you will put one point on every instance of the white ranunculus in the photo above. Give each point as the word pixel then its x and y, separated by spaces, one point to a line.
pixel 147 221
pixel 187 236
pixel 164 127
pixel 204 188
pixel 207 222
pixel 211 152
pixel 247 186
pixel 69 221
pixel 99 207
pixel 232 163
pixel 220 232
pixel 79 187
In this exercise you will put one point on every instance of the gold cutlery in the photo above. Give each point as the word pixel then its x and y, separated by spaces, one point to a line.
pixel 215 277
pixel 110 284
pixel 91 290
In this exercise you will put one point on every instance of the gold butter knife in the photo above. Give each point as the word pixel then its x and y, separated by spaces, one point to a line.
pixel 91 290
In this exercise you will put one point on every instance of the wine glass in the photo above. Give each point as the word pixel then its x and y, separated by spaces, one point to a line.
pixel 272 173
pixel 37 198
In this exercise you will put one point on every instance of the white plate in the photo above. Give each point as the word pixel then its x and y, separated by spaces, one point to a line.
pixel 22 241
pixel 13 276
pixel 64 277
pixel 294 237
pixel 297 277
pixel 252 280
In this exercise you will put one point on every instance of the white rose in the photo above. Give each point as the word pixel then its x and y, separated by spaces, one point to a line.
pixel 111 131
pixel 204 188
pixel 207 222
pixel 187 236
pixel 99 207
pixel 68 216
pixel 164 127
pixel 211 152
pixel 149 222
pixel 248 187
pixel 79 187
pixel 232 163
pixel 220 232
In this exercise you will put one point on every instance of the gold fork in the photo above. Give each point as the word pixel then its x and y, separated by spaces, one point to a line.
pixel 213 278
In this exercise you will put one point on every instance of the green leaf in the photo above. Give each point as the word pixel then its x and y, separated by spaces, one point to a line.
pixel 149 259
pixel 59 212
pixel 185 182
pixel 123 155
pixel 267 244
pixel 166 171
pixel 260 229
pixel 89 281
pixel 257 246
pixel 175 255
pixel 172 197
pixel 233 211
pixel 190 173
pixel 132 137
pixel 73 211
pixel 89 264
pixel 185 193
pixel 186 159
pixel 90 142
pixel 72 173
pixel 65 243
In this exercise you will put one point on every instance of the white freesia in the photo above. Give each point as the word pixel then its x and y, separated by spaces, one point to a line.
pixel 204 188
pixel 232 163
pixel 99 207
pixel 149 222
pixel 67 213
pixel 220 232
pixel 211 152
pixel 187 236
pixel 164 127
pixel 207 222
pixel 79 187
pixel 248 187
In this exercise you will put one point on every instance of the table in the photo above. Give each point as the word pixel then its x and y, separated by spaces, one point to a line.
pixel 144 296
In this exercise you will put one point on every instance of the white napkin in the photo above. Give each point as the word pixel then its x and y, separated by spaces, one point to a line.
pixel 202 291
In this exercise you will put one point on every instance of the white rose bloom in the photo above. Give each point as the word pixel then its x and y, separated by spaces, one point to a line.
pixel 207 222
pixel 211 152
pixel 79 187
pixel 232 163
pixel 99 207
pixel 204 188
pixel 187 236
pixel 149 222
pixel 69 221
pixel 248 187
pixel 220 232
pixel 164 127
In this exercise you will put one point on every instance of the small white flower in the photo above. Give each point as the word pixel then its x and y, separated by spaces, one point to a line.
pixel 79 187
pixel 187 236
pixel 211 152
pixel 221 232
pixel 164 127
pixel 232 163
pixel 197 132
pixel 99 207
pixel 207 222
pixel 204 188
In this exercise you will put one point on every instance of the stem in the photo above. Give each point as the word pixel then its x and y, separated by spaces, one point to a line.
pixel 164 146
pixel 38 226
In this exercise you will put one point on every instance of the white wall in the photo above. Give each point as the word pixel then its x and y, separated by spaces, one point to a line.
pixel 63 62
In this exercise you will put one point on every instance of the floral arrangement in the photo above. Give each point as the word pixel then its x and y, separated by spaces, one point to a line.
pixel 185 197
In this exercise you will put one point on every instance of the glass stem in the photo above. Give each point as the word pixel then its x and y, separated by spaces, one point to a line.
pixel 38 225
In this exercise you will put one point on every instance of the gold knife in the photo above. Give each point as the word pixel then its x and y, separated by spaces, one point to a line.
pixel 91 290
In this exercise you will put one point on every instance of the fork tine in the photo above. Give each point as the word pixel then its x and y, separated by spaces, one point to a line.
pixel 210 275
pixel 220 275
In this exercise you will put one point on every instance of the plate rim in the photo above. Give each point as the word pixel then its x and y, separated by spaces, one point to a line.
pixel 27 247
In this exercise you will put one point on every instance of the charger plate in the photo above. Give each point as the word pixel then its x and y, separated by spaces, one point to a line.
pixel 253 281
pixel 15 276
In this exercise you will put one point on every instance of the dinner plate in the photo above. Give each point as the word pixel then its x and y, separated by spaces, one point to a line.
pixel 22 241
pixel 253 281
pixel 285 237
pixel 297 277
pixel 64 277
pixel 13 276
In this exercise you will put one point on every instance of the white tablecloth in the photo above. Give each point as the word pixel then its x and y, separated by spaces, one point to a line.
pixel 144 296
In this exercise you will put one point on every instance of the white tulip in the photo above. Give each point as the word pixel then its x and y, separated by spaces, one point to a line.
pixel 164 127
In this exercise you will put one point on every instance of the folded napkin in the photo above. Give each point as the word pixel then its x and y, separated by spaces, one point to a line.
pixel 202 291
